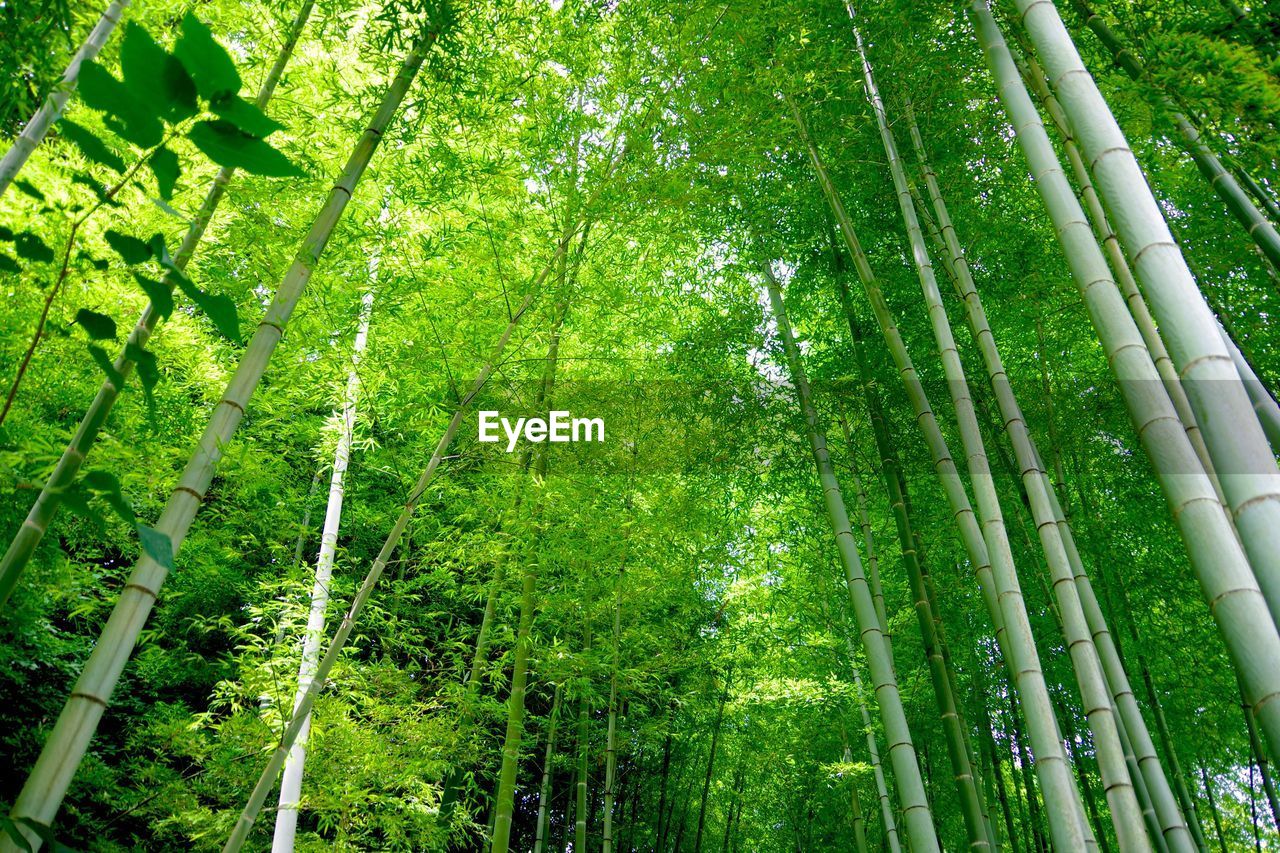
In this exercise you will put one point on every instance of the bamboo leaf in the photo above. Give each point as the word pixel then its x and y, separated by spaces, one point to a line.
pixel 130 249
pixel 31 248
pixel 8 264
pixel 29 189
pixel 161 295
pixel 128 117
pixel 158 546
pixel 221 310
pixel 105 364
pixel 208 62
pixel 148 372
pixel 99 327
pixel 93 148
pixel 164 165
pixel 245 116
pixel 224 144
pixel 154 77
pixel 105 484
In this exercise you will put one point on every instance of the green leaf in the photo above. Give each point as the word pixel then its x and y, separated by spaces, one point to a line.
pixel 100 327
pixel 6 234
pixel 95 187
pixel 161 295
pixel 145 363
pixel 247 117
pixel 8 264
pixel 103 361
pixel 130 249
pixel 164 165
pixel 208 62
pixel 11 830
pixel 154 77
pixel 32 248
pixel 220 309
pixel 161 252
pixel 130 118
pixel 27 188
pixel 168 208
pixel 225 145
pixel 106 485
pixel 93 148
pixel 156 545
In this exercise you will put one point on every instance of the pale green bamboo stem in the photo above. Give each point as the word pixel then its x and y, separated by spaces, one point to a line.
pixel 24 543
pixel 1050 520
pixel 902 755
pixel 1244 462
pixel 1126 814
pixel 267 780
pixel 45 787
pixel 50 109
pixel 1221 567
pixel 996 575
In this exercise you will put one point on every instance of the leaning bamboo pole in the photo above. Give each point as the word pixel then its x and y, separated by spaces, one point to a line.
pixel 286 828
pixel 1256 225
pixel 1216 556
pixel 1053 527
pixel 991 560
pixel 1244 462
pixel 24 542
pixel 47 784
pixel 902 754
pixel 50 109
pixel 267 779
pixel 1126 815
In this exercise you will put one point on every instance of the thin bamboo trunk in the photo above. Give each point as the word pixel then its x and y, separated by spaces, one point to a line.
pixel 857 821
pixel 50 109
pixel 659 830
pixel 291 782
pixel 1080 602
pixel 996 575
pixel 611 744
pixel 584 750
pixel 711 764
pixel 505 799
pixel 1259 754
pixel 1213 808
pixel 1084 656
pixel 1221 567
pixel 1237 200
pixel 902 754
pixel 49 779
pixel 1031 71
pixel 544 790
pixel 266 781
pixel 33 528
pixel 1244 462
pixel 997 773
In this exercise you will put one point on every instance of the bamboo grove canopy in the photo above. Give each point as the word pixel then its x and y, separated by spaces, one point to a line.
pixel 640 425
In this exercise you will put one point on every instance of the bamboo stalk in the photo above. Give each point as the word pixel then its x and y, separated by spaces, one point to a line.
pixel 33 528
pixel 902 754
pixel 50 109
pixel 45 787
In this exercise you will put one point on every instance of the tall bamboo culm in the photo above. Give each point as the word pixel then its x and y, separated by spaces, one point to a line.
pixel 1126 815
pixel 50 110
pixel 1216 556
pixel 23 545
pixel 902 755
pixel 996 576
pixel 267 779
pixel 291 782
pixel 45 787
pixel 1255 223
pixel 1245 464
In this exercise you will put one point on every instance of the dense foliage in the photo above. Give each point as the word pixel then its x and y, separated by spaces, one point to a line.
pixel 600 207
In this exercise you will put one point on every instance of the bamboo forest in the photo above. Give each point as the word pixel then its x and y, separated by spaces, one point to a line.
pixel 640 425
